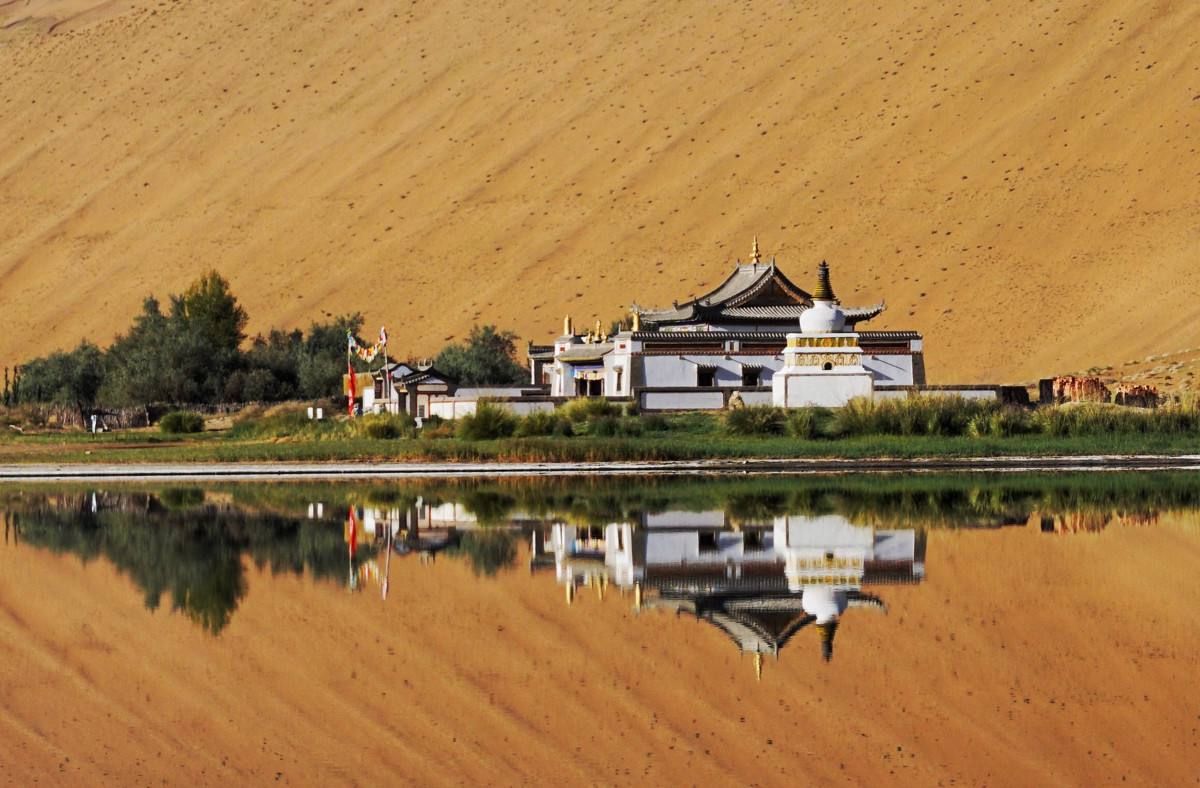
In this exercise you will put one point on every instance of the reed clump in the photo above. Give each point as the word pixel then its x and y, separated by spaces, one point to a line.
pixel 756 420
pixel 489 422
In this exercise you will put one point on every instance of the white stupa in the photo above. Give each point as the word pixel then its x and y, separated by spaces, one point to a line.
pixel 822 364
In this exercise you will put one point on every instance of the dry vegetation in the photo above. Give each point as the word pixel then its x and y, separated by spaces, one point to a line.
pixel 1017 180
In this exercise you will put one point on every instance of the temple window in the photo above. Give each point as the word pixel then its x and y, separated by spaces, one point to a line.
pixel 827 366
pixel 751 376
pixel 706 377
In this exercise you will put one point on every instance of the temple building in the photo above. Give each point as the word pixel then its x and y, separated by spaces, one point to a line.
pixel 735 340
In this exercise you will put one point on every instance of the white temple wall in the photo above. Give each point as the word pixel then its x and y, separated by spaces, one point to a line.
pixel 820 388
pixel 680 371
pixel 672 547
pixel 698 399
pixel 713 518
pixel 457 407
pixel 890 370
pixel 757 398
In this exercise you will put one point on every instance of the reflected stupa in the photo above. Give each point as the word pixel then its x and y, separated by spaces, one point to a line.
pixel 758 583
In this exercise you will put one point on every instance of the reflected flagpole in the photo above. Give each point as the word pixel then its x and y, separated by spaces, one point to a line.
pixel 387 561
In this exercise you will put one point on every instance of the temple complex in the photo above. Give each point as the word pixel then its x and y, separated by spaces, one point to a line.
pixel 757 338
pixel 736 340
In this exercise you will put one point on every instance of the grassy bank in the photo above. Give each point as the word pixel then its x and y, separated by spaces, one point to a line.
pixel 597 431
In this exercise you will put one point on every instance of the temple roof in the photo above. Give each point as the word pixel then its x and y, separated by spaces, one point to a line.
pixel 765 336
pixel 755 293
pixel 754 285
pixel 760 625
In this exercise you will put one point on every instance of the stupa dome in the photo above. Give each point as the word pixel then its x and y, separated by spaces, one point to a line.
pixel 826 603
pixel 823 317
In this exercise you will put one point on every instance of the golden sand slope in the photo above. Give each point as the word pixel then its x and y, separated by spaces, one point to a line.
pixel 1024 659
pixel 1018 180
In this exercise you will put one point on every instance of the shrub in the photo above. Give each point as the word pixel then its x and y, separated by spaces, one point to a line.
pixel 442 429
pixel 584 409
pixel 756 420
pixel 633 409
pixel 384 426
pixel 802 423
pixel 181 422
pixel 859 416
pixel 631 427
pixel 604 426
pixel 1001 423
pixel 276 423
pixel 924 415
pixel 1097 419
pixel 544 423
pixel 655 422
pixel 488 422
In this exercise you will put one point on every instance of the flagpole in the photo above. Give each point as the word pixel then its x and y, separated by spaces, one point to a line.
pixel 387 381
pixel 387 375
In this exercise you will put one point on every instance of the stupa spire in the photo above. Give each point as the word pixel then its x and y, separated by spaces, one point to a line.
pixel 755 257
pixel 827 630
pixel 824 288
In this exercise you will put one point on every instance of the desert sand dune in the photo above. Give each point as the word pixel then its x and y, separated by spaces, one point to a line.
pixel 1024 659
pixel 1017 180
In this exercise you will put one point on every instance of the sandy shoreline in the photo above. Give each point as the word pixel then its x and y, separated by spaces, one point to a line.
pixel 371 470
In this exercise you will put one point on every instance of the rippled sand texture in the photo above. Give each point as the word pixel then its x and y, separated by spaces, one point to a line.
pixel 1025 659
pixel 1001 173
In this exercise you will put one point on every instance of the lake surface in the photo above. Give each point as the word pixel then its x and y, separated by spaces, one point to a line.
pixel 1007 628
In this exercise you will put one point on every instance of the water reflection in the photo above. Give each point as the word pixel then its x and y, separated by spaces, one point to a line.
pixel 764 560
pixel 186 544
pixel 758 582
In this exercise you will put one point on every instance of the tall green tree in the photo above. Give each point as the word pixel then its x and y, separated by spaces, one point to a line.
pixel 487 358
pixel 138 364
pixel 207 329
pixel 72 378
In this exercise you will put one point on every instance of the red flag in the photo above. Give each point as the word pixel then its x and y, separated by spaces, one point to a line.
pixel 352 389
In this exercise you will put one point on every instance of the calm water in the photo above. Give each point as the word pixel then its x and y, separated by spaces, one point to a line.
pixel 762 562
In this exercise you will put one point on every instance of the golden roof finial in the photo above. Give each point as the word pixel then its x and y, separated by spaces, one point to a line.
pixel 758 660
pixel 755 257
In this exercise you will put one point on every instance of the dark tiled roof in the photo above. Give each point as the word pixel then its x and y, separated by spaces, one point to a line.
pixel 676 337
pixel 743 284
pixel 789 312
pixel 422 376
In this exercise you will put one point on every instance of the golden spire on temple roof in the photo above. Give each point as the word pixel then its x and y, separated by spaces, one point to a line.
pixel 755 257
pixel 758 662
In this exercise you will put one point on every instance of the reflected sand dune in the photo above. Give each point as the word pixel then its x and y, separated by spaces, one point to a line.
pixel 502 625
